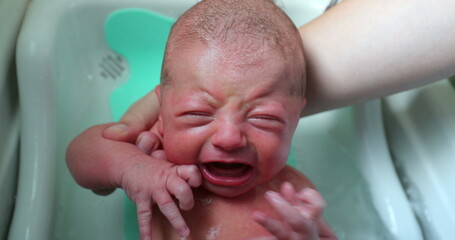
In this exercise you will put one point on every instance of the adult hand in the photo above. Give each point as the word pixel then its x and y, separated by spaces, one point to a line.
pixel 140 117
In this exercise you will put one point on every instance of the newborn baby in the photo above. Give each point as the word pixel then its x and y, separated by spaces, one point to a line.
pixel 231 93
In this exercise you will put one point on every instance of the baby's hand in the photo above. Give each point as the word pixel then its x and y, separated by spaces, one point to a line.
pixel 156 181
pixel 301 213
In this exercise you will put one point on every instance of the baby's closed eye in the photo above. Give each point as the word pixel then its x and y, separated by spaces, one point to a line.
pixel 266 121
pixel 196 118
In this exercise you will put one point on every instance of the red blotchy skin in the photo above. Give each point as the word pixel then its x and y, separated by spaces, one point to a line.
pixel 219 111
pixel 235 122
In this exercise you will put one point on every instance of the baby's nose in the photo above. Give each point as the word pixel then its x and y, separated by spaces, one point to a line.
pixel 229 137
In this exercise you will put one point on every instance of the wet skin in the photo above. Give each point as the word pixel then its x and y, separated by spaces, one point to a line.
pixel 234 120
pixel 221 218
pixel 232 117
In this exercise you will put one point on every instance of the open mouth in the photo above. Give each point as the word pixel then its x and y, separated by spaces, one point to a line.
pixel 227 174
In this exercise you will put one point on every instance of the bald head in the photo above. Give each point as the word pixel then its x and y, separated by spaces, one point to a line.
pixel 247 29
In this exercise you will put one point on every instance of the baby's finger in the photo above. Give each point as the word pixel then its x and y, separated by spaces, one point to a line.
pixel 191 174
pixel 144 217
pixel 182 191
pixel 171 211
pixel 325 232
pixel 288 212
pixel 147 142
pixel 288 192
pixel 159 154
pixel 278 229
pixel 315 203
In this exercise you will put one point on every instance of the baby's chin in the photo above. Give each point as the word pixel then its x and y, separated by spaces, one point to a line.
pixel 227 191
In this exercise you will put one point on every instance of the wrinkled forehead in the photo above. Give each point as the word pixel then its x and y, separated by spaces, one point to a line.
pixel 228 65
pixel 232 60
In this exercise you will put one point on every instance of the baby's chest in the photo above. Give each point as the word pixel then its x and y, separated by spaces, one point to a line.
pixel 215 219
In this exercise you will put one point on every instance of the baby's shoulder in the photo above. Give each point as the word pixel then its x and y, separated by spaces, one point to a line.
pixel 292 175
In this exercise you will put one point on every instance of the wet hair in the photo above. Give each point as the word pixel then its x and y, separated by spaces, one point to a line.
pixel 245 27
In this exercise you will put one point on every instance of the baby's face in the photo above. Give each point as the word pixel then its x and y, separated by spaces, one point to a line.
pixel 234 122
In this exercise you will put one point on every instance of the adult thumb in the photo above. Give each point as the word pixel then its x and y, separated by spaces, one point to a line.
pixel 140 117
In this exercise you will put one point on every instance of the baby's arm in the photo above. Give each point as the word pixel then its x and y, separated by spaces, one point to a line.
pixel 97 163
pixel 302 214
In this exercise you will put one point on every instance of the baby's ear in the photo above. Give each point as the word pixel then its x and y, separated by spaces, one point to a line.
pixel 304 101
pixel 158 93
pixel 160 125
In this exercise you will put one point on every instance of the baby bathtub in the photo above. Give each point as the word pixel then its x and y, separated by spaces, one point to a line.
pixel 63 91
pixel 11 14
pixel 420 127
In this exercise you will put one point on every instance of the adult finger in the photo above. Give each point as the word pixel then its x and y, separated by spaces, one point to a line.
pixel 139 117
pixel 181 191
pixel 144 217
pixel 171 212
pixel 191 174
